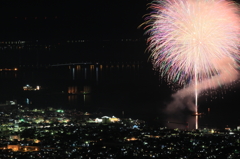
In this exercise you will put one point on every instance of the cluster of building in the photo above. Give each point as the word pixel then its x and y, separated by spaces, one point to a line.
pixel 52 133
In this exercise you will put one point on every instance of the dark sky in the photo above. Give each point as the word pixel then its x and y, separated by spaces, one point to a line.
pixel 73 19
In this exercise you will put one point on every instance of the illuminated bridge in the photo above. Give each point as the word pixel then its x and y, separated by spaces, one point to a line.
pixel 78 63
pixel 108 64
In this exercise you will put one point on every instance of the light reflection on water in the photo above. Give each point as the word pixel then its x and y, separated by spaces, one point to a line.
pixel 110 89
pixel 196 122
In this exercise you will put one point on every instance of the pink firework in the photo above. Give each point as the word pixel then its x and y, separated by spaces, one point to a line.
pixel 189 39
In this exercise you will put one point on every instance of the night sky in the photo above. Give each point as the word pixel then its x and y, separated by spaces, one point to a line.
pixel 71 19
pixel 62 20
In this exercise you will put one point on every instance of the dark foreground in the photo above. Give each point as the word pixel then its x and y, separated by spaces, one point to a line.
pixel 52 133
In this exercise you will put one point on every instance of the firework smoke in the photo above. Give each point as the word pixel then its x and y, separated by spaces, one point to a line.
pixel 194 43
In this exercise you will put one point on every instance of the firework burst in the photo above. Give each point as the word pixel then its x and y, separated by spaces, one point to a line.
pixel 188 38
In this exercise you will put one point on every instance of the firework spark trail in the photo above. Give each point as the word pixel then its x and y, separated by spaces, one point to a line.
pixel 194 40
pixel 228 74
